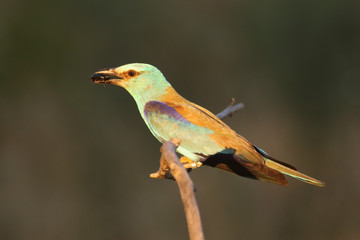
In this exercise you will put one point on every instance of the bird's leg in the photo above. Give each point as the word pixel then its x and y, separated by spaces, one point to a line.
pixel 189 164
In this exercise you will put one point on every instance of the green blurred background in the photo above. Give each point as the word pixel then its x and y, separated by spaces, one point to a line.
pixel 75 157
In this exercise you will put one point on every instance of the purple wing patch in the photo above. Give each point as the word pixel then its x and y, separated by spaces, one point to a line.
pixel 162 108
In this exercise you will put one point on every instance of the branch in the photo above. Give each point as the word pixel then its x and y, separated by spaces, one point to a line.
pixel 172 168
pixel 170 162
pixel 232 108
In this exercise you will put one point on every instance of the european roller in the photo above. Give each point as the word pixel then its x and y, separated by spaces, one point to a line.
pixel 204 138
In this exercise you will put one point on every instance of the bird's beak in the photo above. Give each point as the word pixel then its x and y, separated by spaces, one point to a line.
pixel 106 76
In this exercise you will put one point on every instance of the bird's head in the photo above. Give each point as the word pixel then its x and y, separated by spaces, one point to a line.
pixel 137 78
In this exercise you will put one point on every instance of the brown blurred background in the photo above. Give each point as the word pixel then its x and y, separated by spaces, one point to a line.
pixel 75 157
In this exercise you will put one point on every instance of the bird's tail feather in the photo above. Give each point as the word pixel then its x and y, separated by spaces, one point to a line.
pixel 292 173
pixel 235 164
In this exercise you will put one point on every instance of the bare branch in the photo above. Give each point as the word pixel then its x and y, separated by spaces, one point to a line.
pixel 232 108
pixel 172 168
pixel 170 162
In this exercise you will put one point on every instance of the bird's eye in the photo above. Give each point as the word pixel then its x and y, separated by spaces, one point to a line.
pixel 132 73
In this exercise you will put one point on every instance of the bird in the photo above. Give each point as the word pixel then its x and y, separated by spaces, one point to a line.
pixel 204 138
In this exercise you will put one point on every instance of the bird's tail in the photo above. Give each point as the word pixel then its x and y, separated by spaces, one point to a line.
pixel 292 172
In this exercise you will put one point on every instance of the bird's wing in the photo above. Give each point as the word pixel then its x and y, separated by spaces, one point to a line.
pixel 197 125
pixel 222 134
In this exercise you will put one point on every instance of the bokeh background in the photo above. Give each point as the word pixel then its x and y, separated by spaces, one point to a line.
pixel 75 157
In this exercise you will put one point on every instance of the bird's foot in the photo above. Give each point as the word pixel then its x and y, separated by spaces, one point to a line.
pixel 189 164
